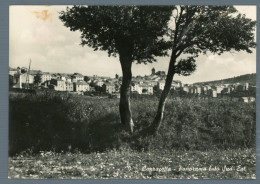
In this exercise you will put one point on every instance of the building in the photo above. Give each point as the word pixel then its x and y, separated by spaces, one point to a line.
pixel 151 82
pixel 246 86
pixel 46 76
pixel 53 76
pixel 99 83
pixel 109 87
pixel 161 74
pixel 212 93
pixel 192 89
pixel 80 86
pixel 161 84
pixel 20 80
pixel 226 90
pixel 69 86
pixel 58 85
pixel 198 89
pixel 186 89
pixel 12 71
pixel 146 89
pixel 61 77
pixel 77 77
pixel 135 87
pixel 219 89
pixel 68 79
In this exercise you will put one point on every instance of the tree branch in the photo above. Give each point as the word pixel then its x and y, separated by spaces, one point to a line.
pixel 177 26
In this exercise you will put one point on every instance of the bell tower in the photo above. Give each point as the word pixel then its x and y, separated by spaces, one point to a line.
pixel 153 71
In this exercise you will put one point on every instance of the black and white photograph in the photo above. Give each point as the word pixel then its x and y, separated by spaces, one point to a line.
pixel 132 92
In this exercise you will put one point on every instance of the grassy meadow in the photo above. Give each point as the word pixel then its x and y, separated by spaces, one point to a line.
pixel 68 136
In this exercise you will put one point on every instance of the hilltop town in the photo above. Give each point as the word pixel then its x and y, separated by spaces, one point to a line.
pixel 142 85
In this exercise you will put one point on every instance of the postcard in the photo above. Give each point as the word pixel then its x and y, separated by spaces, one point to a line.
pixel 132 92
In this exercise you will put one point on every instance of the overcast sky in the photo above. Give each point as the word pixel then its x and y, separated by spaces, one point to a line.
pixel 37 33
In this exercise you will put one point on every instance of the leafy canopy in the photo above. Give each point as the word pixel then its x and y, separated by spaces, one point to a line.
pixel 109 28
pixel 202 29
pixel 147 34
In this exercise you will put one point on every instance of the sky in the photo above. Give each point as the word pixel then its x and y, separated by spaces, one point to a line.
pixel 36 33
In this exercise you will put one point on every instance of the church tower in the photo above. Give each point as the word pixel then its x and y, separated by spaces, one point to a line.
pixel 153 71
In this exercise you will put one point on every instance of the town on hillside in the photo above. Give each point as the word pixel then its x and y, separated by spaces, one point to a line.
pixel 23 78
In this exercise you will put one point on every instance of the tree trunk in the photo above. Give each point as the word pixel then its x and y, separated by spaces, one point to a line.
pixel 126 60
pixel 154 127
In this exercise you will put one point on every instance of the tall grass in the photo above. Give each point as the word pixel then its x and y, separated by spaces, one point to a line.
pixel 50 121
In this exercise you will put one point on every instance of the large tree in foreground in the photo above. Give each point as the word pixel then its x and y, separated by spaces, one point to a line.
pixel 134 33
pixel 198 30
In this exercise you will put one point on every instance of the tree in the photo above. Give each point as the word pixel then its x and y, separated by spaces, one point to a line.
pixel 11 81
pixel 24 70
pixel 135 33
pixel 86 78
pixel 202 29
pixel 37 79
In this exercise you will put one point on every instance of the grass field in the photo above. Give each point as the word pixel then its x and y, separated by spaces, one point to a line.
pixel 67 136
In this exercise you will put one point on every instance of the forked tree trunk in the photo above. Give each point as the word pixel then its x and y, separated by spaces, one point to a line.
pixel 124 105
pixel 154 127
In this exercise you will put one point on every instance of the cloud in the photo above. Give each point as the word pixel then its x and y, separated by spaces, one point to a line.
pixel 43 15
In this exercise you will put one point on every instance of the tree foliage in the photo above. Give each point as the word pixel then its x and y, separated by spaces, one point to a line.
pixel 216 29
pixel 86 78
pixel 37 79
pixel 185 66
pixel 107 27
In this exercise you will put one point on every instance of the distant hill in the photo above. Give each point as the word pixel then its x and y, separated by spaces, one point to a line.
pixel 248 78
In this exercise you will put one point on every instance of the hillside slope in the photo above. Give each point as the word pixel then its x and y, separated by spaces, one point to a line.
pixel 248 78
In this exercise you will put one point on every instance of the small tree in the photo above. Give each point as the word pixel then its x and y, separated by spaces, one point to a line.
pixel 24 70
pixel 198 30
pixel 86 78
pixel 134 33
pixel 37 79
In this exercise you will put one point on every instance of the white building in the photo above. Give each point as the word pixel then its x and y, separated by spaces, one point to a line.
pixel 77 77
pixel 46 76
pixel 219 89
pixel 80 86
pixel 69 86
pixel 185 88
pixel 135 87
pixel 58 85
pixel 20 80
pixel 146 89
pixel 12 71
pixel 161 84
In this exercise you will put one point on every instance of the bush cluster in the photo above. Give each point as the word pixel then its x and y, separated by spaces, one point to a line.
pixel 66 122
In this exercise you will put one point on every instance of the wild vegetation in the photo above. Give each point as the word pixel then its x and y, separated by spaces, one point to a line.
pixel 60 121
pixel 64 126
